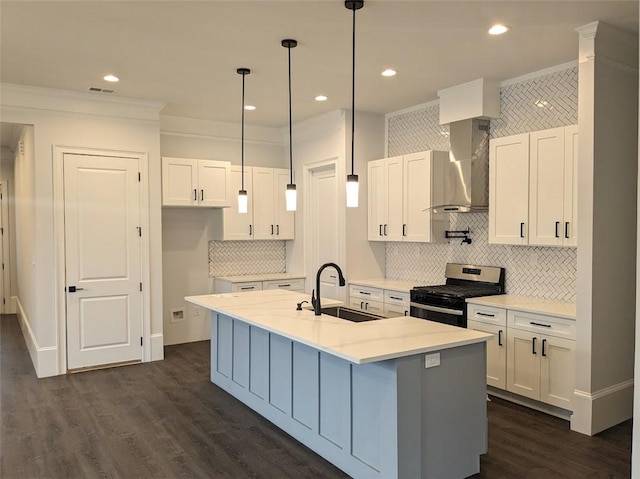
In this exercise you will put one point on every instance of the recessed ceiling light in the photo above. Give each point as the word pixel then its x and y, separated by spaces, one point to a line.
pixel 249 107
pixel 320 98
pixel 498 29
pixel 111 78
pixel 389 72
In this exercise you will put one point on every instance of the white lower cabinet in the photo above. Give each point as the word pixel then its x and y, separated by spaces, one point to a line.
pixel 541 358
pixel 223 285
pixel 383 302
pixel 492 321
pixel 532 355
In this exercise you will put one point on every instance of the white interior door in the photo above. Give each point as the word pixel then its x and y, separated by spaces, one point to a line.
pixel 3 230
pixel 324 204
pixel 103 260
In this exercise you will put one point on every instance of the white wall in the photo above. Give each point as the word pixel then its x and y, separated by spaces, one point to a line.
pixel 186 232
pixel 73 120
pixel 328 137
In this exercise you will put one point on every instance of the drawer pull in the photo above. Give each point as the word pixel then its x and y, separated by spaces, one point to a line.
pixel 361 304
pixel 365 292
pixel 533 323
pixel 557 226
pixel 521 230
pixel 284 286
pixel 500 337
pixel 380 230
pixel 544 341
pixel 488 315
pixel 566 229
pixel 533 345
pixel 247 287
pixel 395 297
pixel 404 228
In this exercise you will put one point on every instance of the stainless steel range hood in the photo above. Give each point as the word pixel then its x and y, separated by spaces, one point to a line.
pixel 466 183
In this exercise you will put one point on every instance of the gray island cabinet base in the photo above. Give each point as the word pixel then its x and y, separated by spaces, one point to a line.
pixel 387 419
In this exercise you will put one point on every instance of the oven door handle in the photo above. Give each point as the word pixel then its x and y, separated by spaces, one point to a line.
pixel 455 312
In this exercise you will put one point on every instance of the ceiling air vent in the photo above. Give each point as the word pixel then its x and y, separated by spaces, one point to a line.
pixel 96 89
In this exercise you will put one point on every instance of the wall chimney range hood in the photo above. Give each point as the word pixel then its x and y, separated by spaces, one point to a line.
pixel 467 109
pixel 466 182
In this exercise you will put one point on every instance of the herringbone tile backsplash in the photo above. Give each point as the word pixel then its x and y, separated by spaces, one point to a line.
pixel 544 102
pixel 232 258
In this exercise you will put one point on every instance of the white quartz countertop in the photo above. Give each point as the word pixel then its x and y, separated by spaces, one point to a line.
pixel 365 342
pixel 530 305
pixel 391 284
pixel 260 277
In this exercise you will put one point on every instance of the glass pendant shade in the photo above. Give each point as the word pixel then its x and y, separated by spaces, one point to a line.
pixel 352 191
pixel 242 201
pixel 291 197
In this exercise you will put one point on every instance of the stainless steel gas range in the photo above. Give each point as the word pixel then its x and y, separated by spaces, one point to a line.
pixel 446 303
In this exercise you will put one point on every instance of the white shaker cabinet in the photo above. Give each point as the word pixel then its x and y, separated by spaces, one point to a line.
pixel 271 219
pixel 266 217
pixel 190 182
pixel 401 189
pixel 541 358
pixel 533 188
pixel 552 187
pixel 493 321
pixel 509 189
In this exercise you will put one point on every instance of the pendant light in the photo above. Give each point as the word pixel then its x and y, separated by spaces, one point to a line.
pixel 242 194
pixel 291 187
pixel 352 179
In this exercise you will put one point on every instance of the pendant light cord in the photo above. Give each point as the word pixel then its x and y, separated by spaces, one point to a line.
pixel 290 128
pixel 353 90
pixel 242 139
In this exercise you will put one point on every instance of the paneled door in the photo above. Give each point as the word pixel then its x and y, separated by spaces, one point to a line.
pixel 103 260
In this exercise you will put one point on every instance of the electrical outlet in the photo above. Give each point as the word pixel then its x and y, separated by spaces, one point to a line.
pixel 177 315
pixel 432 360
pixel 197 310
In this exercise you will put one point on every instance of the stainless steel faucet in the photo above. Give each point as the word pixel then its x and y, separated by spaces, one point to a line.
pixel 316 301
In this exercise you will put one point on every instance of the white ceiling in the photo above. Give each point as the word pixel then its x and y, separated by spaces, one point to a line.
pixel 186 53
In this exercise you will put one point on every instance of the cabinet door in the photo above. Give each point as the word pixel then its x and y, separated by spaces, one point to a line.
pixel 238 226
pixel 509 189
pixel 570 227
pixel 395 310
pixel 546 187
pixel 214 183
pixel 376 195
pixel 284 219
pixel 392 229
pixel 496 353
pixel 523 363
pixel 179 182
pixel 374 307
pixel 263 204
pixel 557 371
pixel 417 197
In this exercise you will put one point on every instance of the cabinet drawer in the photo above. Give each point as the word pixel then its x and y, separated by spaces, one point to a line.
pixel 290 284
pixel 373 307
pixel 248 286
pixel 400 298
pixel 540 323
pixel 365 292
pixel 487 314
pixel 395 310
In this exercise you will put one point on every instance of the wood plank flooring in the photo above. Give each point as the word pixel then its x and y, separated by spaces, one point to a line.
pixel 166 420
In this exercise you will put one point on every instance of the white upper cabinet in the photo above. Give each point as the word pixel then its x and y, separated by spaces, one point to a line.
pixel 532 188
pixel 509 189
pixel 401 189
pixel 266 217
pixel 189 182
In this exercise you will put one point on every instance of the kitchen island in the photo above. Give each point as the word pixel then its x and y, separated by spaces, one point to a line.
pixel 392 398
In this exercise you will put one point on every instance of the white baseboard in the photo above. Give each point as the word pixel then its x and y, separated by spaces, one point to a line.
pixel 530 403
pixel 157 347
pixel 596 411
pixel 45 360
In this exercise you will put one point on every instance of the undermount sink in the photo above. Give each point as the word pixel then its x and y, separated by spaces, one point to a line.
pixel 349 314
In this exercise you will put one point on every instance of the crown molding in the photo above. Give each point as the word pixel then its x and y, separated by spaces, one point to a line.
pixel 37 98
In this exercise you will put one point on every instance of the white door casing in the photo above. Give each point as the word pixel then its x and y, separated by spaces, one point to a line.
pixel 5 274
pixel 102 252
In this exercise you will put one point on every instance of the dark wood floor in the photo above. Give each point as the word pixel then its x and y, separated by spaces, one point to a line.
pixel 166 420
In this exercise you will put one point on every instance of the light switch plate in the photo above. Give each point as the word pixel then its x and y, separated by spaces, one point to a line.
pixel 432 360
